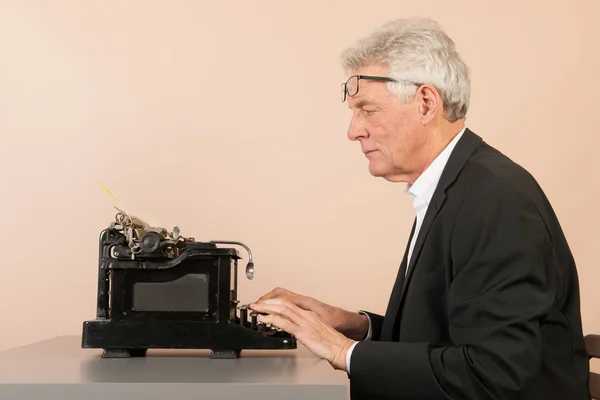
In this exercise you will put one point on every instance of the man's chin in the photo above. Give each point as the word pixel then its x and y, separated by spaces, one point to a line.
pixel 378 171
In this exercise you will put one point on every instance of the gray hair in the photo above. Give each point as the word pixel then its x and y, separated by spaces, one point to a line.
pixel 416 50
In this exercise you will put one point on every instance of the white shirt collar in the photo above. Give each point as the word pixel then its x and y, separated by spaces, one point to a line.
pixel 423 188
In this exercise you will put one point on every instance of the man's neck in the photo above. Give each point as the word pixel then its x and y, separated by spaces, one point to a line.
pixel 440 138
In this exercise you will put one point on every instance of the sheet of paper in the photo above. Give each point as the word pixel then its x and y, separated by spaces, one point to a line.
pixel 122 204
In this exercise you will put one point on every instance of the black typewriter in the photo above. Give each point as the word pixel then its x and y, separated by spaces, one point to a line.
pixel 158 289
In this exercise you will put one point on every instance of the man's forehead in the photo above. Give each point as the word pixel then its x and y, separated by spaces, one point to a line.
pixel 369 93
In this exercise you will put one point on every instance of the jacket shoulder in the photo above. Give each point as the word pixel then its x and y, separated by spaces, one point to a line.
pixel 491 169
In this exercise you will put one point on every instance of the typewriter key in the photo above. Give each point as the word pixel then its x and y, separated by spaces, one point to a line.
pixel 244 315
pixel 254 318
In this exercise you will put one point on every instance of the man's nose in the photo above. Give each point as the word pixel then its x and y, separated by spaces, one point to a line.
pixel 356 129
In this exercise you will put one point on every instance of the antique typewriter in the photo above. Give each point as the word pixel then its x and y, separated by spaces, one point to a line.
pixel 158 289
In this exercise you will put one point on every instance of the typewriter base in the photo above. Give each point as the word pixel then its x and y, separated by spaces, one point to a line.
pixel 132 353
pixel 126 339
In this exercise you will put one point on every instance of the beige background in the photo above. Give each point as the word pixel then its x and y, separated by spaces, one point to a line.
pixel 224 118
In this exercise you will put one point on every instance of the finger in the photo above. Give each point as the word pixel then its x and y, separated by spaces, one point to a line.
pixel 301 301
pixel 262 301
pixel 272 306
pixel 287 309
pixel 308 303
pixel 280 322
pixel 267 296
pixel 277 292
pixel 280 307
pixel 304 302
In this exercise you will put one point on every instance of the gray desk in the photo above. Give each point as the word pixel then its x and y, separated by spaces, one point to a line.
pixel 59 368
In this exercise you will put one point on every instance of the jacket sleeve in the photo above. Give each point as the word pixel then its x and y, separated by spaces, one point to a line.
pixel 375 324
pixel 499 295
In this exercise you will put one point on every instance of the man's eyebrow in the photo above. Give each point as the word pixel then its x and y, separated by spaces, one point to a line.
pixel 362 102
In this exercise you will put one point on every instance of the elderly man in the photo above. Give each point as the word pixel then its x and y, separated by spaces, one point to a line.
pixel 486 301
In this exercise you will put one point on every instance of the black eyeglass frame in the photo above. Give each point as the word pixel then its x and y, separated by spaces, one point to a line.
pixel 345 91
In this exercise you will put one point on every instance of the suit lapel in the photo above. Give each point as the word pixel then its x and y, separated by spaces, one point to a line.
pixel 459 157
pixel 394 303
pixel 437 201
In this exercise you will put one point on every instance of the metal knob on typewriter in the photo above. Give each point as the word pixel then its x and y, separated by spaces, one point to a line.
pixel 250 270
pixel 150 241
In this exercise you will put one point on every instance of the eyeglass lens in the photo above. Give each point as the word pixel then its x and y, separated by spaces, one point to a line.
pixel 350 87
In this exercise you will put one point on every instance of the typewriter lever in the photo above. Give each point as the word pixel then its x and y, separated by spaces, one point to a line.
pixel 250 265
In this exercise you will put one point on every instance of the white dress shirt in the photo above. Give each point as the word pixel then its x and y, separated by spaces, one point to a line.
pixel 421 191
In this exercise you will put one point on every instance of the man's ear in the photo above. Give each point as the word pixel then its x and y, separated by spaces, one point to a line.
pixel 430 102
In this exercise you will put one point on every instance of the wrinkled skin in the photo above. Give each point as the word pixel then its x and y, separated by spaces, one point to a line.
pixel 325 330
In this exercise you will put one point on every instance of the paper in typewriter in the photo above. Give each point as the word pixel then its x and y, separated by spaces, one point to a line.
pixel 124 205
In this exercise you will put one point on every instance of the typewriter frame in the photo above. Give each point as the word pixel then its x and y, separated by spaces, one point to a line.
pixel 122 329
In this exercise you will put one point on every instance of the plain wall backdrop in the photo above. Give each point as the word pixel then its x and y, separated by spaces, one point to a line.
pixel 225 119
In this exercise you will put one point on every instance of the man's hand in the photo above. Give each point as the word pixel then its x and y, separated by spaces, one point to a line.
pixel 308 328
pixel 350 324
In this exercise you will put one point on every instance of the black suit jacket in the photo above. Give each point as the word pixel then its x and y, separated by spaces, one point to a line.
pixel 489 308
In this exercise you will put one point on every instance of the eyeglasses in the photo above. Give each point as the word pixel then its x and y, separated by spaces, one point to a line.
pixel 351 86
